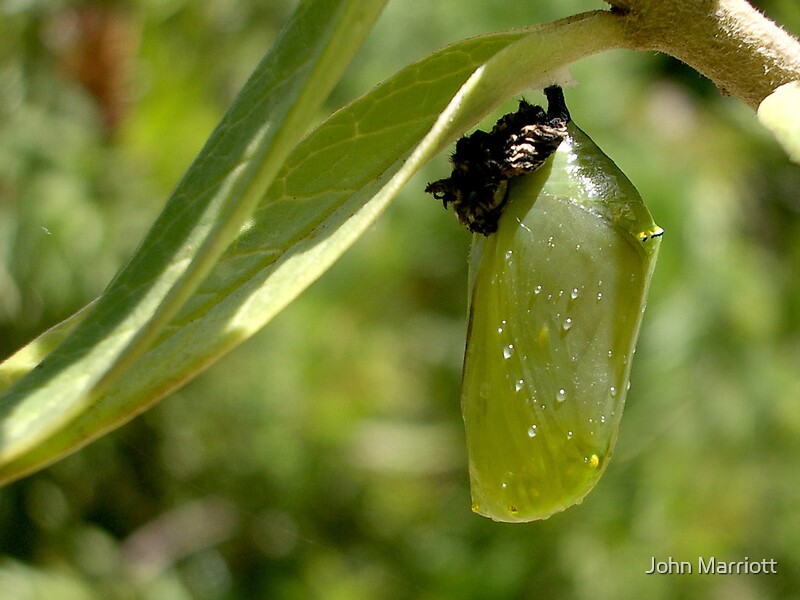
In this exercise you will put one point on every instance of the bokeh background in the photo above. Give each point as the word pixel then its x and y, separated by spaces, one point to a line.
pixel 325 458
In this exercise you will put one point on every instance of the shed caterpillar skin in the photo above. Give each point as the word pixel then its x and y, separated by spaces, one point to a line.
pixel 557 297
pixel 483 163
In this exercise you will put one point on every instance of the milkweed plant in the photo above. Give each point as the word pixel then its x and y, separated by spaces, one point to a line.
pixel 562 254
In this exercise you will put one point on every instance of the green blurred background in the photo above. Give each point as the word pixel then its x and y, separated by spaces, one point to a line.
pixel 326 458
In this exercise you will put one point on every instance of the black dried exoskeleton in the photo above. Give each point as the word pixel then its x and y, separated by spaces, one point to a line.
pixel 519 143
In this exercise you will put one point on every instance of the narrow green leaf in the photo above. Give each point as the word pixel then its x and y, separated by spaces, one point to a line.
pixel 206 211
pixel 780 113
pixel 333 186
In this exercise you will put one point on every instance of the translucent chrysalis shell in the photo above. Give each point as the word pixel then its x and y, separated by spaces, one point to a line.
pixel 557 297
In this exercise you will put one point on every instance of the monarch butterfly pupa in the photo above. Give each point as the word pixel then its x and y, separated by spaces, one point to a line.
pixel 557 298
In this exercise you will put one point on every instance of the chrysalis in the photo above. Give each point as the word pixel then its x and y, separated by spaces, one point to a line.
pixel 557 297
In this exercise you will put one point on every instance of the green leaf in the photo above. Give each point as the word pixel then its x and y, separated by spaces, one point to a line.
pixel 333 186
pixel 206 211
pixel 780 113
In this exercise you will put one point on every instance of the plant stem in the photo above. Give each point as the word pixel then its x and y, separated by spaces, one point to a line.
pixel 743 52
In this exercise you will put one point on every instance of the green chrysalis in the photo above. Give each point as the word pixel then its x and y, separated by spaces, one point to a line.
pixel 558 288
pixel 558 294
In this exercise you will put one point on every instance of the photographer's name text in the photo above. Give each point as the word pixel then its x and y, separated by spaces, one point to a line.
pixel 711 565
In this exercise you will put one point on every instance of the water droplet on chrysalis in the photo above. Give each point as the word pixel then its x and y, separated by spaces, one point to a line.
pixel 532 431
pixel 518 385
pixel 574 293
pixel 567 324
pixel 508 351
pixel 561 395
